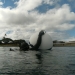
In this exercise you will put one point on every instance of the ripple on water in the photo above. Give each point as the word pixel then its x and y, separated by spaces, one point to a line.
pixel 58 61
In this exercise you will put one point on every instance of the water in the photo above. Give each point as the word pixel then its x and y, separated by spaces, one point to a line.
pixel 58 61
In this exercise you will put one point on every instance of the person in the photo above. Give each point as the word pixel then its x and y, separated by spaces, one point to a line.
pixel 39 40
pixel 11 49
pixel 24 46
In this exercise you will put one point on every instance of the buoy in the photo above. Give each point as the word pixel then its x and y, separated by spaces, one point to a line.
pixel 46 41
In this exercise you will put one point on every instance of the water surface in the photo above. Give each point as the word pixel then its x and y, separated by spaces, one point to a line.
pixel 58 61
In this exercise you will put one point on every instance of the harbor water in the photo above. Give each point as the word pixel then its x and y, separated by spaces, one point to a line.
pixel 58 61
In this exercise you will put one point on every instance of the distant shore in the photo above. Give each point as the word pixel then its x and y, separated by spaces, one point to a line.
pixel 9 45
pixel 54 45
pixel 63 44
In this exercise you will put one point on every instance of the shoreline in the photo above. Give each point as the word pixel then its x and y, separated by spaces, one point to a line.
pixel 54 45
pixel 9 45
pixel 63 44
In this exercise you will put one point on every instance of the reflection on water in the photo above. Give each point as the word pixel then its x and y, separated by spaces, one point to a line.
pixel 58 61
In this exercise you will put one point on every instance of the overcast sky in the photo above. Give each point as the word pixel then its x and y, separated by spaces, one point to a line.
pixel 19 19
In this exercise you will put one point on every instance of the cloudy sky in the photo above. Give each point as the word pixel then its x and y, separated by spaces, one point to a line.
pixel 19 19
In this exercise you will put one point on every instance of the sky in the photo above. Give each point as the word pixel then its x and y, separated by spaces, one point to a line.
pixel 20 19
